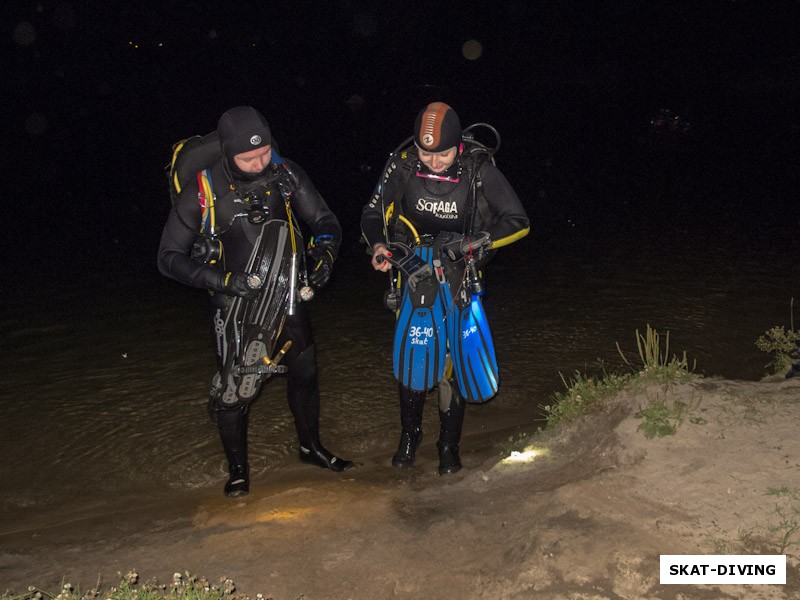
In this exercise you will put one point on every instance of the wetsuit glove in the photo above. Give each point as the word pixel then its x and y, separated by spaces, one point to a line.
pixel 460 246
pixel 482 254
pixel 241 284
pixel 320 264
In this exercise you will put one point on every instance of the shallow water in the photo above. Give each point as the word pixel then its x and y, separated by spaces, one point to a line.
pixel 105 392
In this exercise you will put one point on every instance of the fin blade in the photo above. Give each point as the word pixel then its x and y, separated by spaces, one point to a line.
pixel 472 352
pixel 420 346
pixel 420 339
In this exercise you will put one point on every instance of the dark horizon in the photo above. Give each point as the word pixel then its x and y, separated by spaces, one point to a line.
pixel 102 92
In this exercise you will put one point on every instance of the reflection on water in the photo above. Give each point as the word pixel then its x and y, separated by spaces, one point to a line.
pixel 106 392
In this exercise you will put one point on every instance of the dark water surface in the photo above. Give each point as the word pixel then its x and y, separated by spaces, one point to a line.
pixel 105 375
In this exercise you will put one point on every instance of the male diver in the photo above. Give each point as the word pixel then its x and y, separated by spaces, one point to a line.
pixel 233 230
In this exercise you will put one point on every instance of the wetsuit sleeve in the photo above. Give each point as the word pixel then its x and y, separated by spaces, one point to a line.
pixel 311 208
pixel 372 217
pixel 509 220
pixel 372 220
pixel 180 231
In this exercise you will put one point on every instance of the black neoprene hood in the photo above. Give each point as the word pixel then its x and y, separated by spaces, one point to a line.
pixel 437 128
pixel 242 129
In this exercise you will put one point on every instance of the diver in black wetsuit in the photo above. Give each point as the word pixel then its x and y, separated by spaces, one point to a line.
pixel 432 187
pixel 250 163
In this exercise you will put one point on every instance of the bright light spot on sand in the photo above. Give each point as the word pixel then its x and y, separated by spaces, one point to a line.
pixel 516 457
pixel 472 49
pixel 292 514
pixel 526 456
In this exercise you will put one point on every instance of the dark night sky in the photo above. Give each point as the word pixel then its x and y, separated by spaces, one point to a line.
pixel 99 91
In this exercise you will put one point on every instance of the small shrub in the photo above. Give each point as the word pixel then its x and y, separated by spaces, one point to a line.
pixel 781 344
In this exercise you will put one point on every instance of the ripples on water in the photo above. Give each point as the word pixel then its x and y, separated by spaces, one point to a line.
pixel 106 392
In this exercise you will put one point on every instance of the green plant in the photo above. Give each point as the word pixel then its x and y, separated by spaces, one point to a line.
pixel 656 363
pixel 784 492
pixel 583 394
pixel 661 418
pixel 783 532
pixel 183 587
pixel 779 343
pixel 787 528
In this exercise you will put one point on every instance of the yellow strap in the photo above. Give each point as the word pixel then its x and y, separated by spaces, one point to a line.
pixel 390 212
pixel 291 226
pixel 509 239
pixel 209 207
pixel 175 150
pixel 411 228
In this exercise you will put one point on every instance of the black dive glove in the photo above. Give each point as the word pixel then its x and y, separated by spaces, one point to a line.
pixel 241 284
pixel 320 264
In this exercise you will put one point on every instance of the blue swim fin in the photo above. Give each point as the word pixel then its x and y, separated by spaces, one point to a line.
pixel 420 338
pixel 472 348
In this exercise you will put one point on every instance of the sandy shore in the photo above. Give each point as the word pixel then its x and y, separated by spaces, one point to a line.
pixel 588 518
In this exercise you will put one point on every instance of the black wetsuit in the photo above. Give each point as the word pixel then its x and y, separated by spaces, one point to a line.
pixel 434 203
pixel 238 237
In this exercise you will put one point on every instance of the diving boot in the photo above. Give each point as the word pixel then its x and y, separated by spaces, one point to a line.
pixel 412 403
pixel 238 484
pixel 407 450
pixel 316 454
pixel 232 425
pixel 450 422
pixel 449 462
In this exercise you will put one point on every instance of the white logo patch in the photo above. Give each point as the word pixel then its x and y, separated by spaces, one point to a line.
pixel 255 140
pixel 440 209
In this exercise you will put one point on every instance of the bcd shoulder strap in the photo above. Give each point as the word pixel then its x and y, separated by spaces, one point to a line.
pixel 473 158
